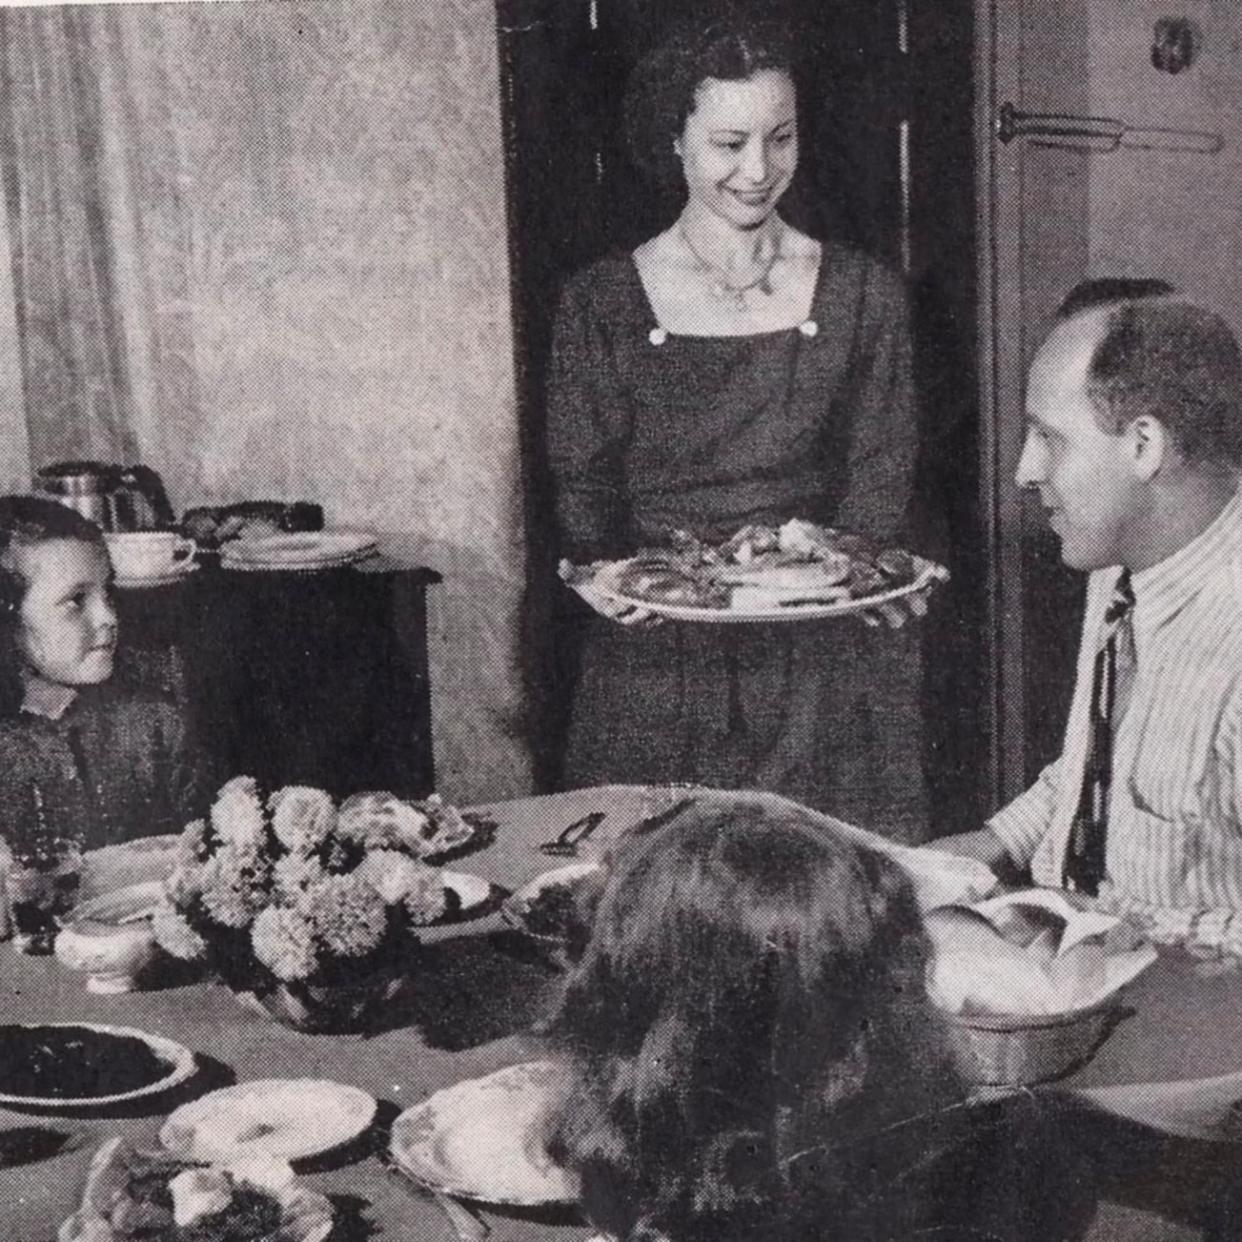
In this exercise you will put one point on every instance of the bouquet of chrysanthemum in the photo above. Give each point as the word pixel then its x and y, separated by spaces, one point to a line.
pixel 293 893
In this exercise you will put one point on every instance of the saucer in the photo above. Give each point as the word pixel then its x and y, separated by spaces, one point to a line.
pixel 156 580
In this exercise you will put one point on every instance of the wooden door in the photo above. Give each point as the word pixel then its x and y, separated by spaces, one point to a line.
pixel 1054 209
pixel 1033 247
pixel 887 165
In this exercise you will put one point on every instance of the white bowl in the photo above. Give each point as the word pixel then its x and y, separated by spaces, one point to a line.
pixel 110 938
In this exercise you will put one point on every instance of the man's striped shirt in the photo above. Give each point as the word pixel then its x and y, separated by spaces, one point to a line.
pixel 1174 856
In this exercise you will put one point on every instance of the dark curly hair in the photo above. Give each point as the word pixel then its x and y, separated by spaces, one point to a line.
pixel 753 990
pixel 661 91
pixel 24 522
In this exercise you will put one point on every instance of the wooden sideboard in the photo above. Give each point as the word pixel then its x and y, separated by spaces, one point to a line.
pixel 295 678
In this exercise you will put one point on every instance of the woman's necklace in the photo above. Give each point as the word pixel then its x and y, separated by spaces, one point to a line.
pixel 721 287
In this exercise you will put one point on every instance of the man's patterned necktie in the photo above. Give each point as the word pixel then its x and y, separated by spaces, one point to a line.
pixel 1114 669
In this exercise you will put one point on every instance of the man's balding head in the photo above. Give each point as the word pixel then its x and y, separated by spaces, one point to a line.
pixel 1166 358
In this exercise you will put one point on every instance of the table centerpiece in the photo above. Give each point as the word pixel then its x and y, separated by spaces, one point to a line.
pixel 306 909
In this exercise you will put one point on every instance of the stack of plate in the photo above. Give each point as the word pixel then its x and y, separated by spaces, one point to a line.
pixel 299 552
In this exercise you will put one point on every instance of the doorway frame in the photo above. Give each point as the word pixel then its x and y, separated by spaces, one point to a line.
pixel 999 251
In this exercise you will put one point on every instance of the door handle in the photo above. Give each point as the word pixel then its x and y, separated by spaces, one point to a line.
pixel 1098 133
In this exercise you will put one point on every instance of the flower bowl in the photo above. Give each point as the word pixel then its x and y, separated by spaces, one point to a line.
pixel 326 1009
pixel 309 910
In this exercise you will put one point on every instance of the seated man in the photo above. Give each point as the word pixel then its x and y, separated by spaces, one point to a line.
pixel 1134 441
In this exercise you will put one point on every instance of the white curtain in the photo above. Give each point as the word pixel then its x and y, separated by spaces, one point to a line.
pixel 275 235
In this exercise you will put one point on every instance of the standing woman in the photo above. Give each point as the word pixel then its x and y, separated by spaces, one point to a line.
pixel 734 370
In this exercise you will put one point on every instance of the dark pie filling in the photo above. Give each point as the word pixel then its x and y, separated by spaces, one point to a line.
pixel 74 1063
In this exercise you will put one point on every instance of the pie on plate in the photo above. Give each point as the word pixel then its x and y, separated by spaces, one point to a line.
pixel 283 1118
pixel 86 1064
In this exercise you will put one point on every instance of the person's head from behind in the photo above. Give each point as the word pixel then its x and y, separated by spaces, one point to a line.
pixel 715 106
pixel 1134 425
pixel 58 625
pixel 752 985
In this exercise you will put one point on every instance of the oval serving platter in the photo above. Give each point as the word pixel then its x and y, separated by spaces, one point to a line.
pixel 793 609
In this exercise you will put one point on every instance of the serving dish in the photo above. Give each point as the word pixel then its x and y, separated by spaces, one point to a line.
pixel 283 1118
pixel 485 1139
pixel 129 1195
pixel 755 606
pixel 1021 1050
pixel 179 1061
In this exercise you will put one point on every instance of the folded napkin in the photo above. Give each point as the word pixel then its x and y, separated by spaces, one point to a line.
pixel 1028 953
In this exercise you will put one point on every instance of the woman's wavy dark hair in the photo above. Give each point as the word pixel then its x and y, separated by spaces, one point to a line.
pixel 24 522
pixel 754 984
pixel 661 91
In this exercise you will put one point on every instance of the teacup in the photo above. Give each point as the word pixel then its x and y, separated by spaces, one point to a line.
pixel 148 553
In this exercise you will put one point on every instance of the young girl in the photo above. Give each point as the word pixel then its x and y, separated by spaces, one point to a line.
pixel 83 761
pixel 751 1054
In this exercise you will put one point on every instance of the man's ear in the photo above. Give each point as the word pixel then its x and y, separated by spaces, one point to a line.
pixel 677 147
pixel 1149 444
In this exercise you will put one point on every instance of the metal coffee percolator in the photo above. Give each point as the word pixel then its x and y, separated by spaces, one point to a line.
pixel 116 498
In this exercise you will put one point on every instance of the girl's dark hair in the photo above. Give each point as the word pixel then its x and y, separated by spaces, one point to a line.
pixel 754 987
pixel 24 522
pixel 661 91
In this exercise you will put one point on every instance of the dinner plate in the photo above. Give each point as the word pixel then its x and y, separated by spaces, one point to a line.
pixel 485 1139
pixel 157 580
pixel 114 867
pixel 179 1059
pixel 302 550
pixel 797 606
pixel 135 903
pixel 283 1118
pixel 516 908
pixel 472 891
pixel 1209 1109
pixel 308 567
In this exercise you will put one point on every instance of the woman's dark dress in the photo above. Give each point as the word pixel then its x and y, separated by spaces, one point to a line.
pixel 650 432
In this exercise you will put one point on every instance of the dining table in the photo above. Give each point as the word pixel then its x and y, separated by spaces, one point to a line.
pixel 476 994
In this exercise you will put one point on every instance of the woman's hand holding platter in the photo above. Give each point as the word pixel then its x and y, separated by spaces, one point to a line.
pixel 614 609
pixel 897 612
